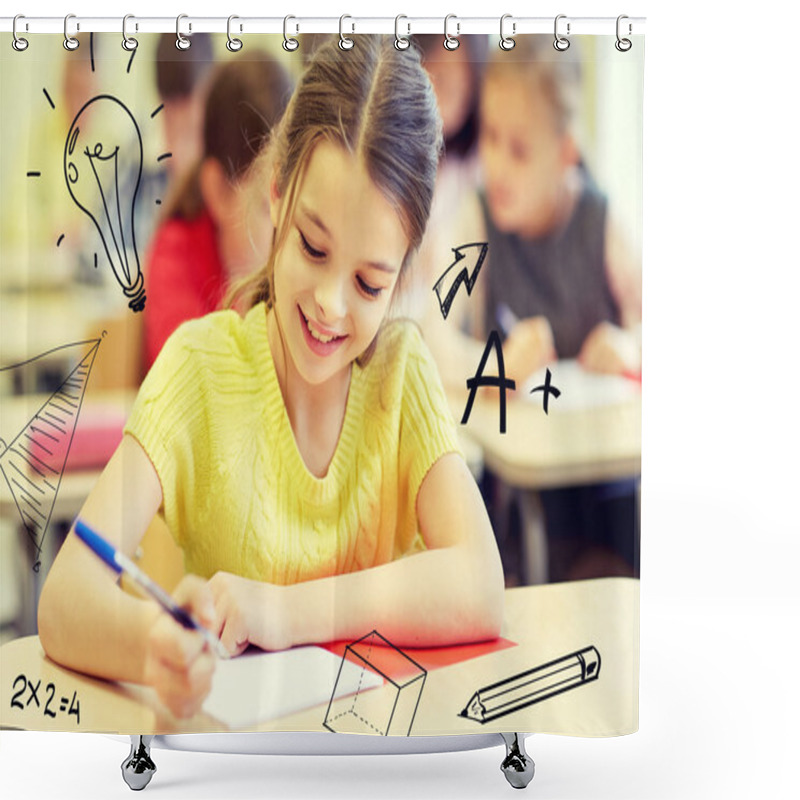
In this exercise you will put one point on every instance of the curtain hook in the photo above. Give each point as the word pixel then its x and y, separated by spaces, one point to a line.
pixel 18 43
pixel 128 42
pixel 181 42
pixel 401 42
pixel 506 42
pixel 289 44
pixel 623 45
pixel 451 42
pixel 70 42
pixel 560 42
pixel 344 42
pixel 234 45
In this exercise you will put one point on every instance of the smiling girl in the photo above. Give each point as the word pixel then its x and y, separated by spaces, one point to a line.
pixel 303 456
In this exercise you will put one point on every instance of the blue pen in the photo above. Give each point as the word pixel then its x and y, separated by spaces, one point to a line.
pixel 121 563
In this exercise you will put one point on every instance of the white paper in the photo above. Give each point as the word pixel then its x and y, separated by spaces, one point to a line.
pixel 256 686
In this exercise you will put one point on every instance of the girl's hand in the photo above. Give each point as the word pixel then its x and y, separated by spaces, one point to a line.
pixel 610 349
pixel 528 348
pixel 178 663
pixel 249 612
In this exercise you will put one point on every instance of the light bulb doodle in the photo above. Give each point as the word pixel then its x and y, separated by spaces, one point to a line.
pixel 94 163
pixel 34 460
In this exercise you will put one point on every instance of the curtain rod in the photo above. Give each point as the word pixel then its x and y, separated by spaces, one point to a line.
pixel 456 25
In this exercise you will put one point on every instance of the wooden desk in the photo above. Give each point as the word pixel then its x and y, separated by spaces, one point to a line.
pixel 565 447
pixel 540 450
pixel 547 622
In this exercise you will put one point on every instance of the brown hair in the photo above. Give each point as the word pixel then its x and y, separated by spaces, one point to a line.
pixel 245 100
pixel 378 104
pixel 473 49
pixel 556 74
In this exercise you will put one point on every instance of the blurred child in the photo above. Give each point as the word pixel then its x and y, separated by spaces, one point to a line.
pixel 456 76
pixel 555 259
pixel 181 82
pixel 208 240
pixel 304 456
pixel 559 282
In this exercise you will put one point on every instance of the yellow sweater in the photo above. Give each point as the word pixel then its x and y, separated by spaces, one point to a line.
pixel 238 496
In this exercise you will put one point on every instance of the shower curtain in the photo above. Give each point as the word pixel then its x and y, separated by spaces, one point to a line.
pixel 137 190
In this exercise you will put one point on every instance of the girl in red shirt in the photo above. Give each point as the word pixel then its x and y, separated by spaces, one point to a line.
pixel 207 238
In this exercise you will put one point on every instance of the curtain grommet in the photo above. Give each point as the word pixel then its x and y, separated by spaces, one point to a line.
pixel 181 42
pixel 290 44
pixel 18 42
pixel 507 42
pixel 345 43
pixel 401 42
pixel 233 44
pixel 70 42
pixel 128 42
pixel 451 42
pixel 561 43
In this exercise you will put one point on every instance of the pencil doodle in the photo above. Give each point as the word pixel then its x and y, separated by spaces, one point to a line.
pixel 385 713
pixel 94 164
pixel 546 390
pixel 448 284
pixel 537 684
pixel 499 380
pixel 33 461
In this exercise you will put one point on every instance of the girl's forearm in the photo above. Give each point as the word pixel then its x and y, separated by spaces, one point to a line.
pixel 436 597
pixel 87 623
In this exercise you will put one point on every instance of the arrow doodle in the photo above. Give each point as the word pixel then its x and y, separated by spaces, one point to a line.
pixel 446 287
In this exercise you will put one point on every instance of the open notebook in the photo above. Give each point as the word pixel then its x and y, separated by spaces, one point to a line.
pixel 257 686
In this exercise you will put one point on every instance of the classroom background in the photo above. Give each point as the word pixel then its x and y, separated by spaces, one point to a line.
pixel 57 285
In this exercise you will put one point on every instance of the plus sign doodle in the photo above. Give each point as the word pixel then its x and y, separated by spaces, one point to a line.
pixel 546 390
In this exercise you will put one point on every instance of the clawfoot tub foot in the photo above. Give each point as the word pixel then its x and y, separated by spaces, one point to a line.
pixel 138 767
pixel 517 766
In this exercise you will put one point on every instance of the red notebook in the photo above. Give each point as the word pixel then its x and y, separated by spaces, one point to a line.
pixel 385 660
pixel 96 436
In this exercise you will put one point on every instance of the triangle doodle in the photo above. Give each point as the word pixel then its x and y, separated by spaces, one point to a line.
pixel 34 461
